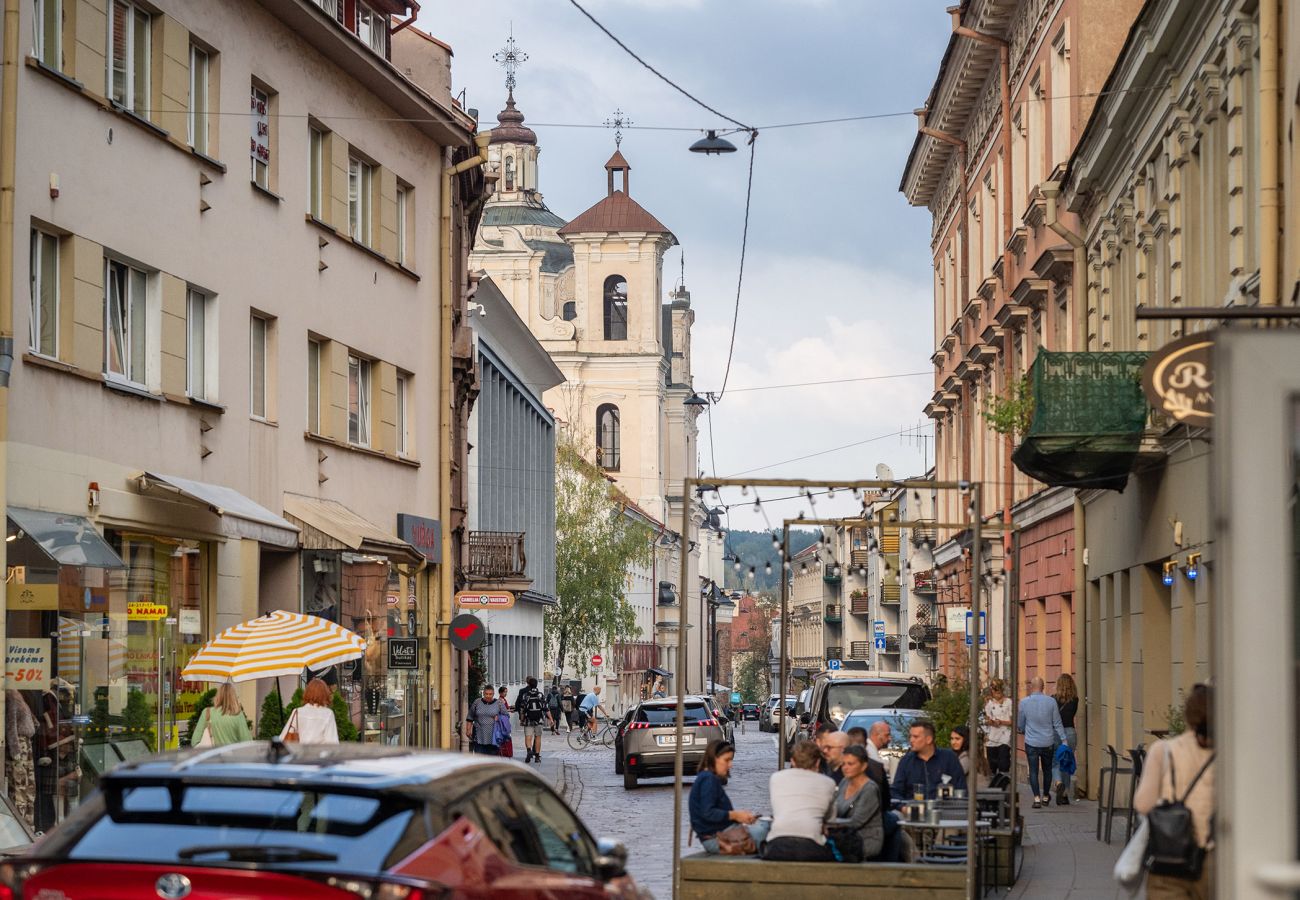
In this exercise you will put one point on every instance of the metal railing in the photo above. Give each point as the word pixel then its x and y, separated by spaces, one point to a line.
pixel 860 650
pixel 832 613
pixel 496 554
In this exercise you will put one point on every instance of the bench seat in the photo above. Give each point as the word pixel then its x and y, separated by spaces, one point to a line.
pixel 707 877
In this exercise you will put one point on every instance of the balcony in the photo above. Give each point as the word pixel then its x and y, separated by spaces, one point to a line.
pixel 860 650
pixel 834 652
pixel 860 603
pixel 497 558
pixel 832 573
pixel 860 558
pixel 891 594
pixel 924 532
pixel 891 645
pixel 1087 419
pixel 832 615
pixel 924 583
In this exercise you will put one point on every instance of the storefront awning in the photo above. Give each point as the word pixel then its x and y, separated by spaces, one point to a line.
pixel 344 530
pixel 240 516
pixel 66 540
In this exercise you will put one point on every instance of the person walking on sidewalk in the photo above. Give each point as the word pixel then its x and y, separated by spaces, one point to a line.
pixel 568 706
pixel 481 721
pixel 553 709
pixel 1067 701
pixel 1039 720
pixel 997 728
pixel 531 706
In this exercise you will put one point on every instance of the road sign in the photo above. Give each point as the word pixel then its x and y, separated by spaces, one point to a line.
pixel 880 642
pixel 984 637
pixel 879 627
pixel 467 632
pixel 834 665
pixel 485 599
pixel 597 659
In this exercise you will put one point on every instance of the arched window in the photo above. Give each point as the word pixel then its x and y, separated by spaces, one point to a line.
pixel 570 310
pixel 510 173
pixel 607 437
pixel 616 308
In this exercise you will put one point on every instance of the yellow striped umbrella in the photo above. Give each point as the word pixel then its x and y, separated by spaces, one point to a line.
pixel 278 643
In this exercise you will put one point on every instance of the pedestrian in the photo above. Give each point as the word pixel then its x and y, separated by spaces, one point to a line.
pixel 224 720
pixel 1181 769
pixel 801 803
pixel 568 707
pixel 532 712
pixel 997 728
pixel 925 767
pixel 857 827
pixel 832 745
pixel 1039 720
pixel 878 738
pixel 482 721
pixel 1067 701
pixel 959 741
pixel 589 710
pixel 710 807
pixel 553 709
pixel 313 722
pixel 501 695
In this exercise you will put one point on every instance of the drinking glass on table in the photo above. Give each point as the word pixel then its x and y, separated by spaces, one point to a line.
pixel 918 793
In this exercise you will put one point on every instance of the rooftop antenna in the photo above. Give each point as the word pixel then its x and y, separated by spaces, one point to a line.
pixel 920 438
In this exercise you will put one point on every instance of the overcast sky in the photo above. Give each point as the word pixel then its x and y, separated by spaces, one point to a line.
pixel 837 277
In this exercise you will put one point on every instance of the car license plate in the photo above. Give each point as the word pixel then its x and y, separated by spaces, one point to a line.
pixel 670 740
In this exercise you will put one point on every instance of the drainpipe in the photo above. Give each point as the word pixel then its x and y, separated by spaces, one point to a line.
pixel 8 179
pixel 1270 194
pixel 1081 635
pixel 1079 289
pixel 447 731
pixel 410 20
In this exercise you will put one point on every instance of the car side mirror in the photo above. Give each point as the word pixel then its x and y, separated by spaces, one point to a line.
pixel 611 859
pixel 805 718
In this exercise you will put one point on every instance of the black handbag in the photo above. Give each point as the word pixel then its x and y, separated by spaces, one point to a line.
pixel 1172 849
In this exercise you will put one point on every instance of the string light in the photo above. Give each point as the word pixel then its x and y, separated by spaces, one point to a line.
pixel 767 568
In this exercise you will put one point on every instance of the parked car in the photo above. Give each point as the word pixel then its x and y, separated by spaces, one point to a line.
pixel 750 711
pixel 767 713
pixel 728 726
pixel 899 721
pixel 792 721
pixel 268 820
pixel 648 744
pixel 835 695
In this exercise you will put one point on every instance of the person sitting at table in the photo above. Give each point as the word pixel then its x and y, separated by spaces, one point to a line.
pixel 832 745
pixel 801 803
pixel 925 765
pixel 710 807
pixel 857 827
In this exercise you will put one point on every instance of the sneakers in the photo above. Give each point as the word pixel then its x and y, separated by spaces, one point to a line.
pixel 1038 803
pixel 1062 799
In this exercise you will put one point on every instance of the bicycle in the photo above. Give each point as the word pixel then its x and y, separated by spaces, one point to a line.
pixel 583 737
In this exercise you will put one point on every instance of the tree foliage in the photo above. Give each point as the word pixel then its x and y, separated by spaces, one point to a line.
pixel 755 549
pixel 948 707
pixel 595 546
pixel 751 677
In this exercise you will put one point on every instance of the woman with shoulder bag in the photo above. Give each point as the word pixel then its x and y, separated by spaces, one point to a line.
pixel 712 817
pixel 314 721
pixel 223 722
pixel 1176 794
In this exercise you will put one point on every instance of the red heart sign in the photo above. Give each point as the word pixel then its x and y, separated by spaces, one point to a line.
pixel 464 633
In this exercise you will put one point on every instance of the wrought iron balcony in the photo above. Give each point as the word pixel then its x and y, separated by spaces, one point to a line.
pixel 832 614
pixel 832 573
pixel 924 583
pixel 496 555
pixel 860 650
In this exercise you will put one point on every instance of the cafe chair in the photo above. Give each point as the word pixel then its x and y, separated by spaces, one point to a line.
pixel 1139 755
pixel 1110 773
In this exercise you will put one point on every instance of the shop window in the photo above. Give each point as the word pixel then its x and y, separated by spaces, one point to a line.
pixel 359 401
pixel 44 325
pixel 125 322
pixel 47 32
pixel 615 308
pixel 316 174
pixel 129 37
pixel 198 105
pixel 607 437
pixel 361 189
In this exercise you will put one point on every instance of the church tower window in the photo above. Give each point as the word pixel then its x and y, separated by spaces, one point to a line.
pixel 607 437
pixel 570 310
pixel 510 173
pixel 616 308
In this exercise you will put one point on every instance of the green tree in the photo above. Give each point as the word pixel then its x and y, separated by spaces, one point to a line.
pixel 271 721
pixel 948 707
pixel 595 545
pixel 752 677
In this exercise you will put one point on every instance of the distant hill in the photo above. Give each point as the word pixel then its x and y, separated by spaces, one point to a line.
pixel 755 549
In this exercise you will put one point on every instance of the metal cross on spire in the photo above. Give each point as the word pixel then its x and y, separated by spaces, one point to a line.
pixel 511 57
pixel 618 122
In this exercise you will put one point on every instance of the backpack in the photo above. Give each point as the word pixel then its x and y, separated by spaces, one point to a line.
pixel 533 707
pixel 1171 836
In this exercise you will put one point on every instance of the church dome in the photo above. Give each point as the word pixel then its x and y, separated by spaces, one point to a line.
pixel 511 128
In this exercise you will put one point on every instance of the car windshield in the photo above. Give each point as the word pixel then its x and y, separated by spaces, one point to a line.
pixel 898 726
pixel 667 715
pixel 215 823
pixel 842 699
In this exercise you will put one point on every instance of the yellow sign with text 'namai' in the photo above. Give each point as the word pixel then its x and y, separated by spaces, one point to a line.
pixel 144 611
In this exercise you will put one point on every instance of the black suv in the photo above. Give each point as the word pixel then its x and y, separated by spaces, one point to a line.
pixel 834 696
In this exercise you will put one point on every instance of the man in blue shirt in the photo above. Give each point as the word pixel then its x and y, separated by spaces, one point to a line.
pixel 588 709
pixel 1039 720
pixel 925 765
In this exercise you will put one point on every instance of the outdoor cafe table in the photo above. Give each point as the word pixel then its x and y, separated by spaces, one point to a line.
pixel 925 833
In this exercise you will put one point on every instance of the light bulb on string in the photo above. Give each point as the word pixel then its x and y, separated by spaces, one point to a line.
pixel 751 573
pixel 744 490
pixel 830 493
pixel 767 568
pixel 776 542
pixel 737 564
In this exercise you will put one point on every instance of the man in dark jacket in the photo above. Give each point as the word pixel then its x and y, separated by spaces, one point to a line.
pixel 925 765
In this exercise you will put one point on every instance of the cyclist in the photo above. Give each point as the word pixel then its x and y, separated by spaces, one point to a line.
pixel 590 709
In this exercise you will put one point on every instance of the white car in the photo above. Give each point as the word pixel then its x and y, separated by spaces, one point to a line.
pixel 899 721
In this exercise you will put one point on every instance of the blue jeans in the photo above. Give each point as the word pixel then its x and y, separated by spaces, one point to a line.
pixel 758 831
pixel 1039 758
pixel 1071 738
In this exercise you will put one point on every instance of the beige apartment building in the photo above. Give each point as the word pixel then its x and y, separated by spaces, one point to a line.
pixel 224 395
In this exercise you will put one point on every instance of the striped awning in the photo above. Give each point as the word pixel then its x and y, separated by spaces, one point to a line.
pixel 278 643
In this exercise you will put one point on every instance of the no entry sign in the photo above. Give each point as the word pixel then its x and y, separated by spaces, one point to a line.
pixel 597 659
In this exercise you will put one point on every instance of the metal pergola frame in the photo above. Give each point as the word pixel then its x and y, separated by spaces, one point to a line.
pixel 691 485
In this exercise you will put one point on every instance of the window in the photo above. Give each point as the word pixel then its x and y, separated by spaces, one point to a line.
pixel 607 437
pixel 259 146
pixel 198 120
pixel 330 6
pixel 565 844
pixel 361 182
pixel 616 308
pixel 372 28
pixel 313 386
pixel 403 427
pixel 47 32
pixel 197 334
pixel 570 311
pixel 359 401
pixel 402 194
pixel 125 318
pixel 129 34
pixel 317 173
pixel 258 341
pixel 45 294
pixel 510 173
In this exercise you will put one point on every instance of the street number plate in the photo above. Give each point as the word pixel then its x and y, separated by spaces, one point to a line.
pixel 670 740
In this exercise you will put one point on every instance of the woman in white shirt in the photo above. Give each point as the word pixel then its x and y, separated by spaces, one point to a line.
pixel 802 800
pixel 313 722
pixel 997 728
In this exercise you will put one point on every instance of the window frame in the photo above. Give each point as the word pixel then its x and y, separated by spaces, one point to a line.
pixel 609 306
pixel 315 352
pixel 330 7
pixel 363 422
pixel 196 120
pixel 376 28
pixel 204 301
pixel 42 32
pixel 361 193
pixel 132 307
pixel 133 94
pixel 253 318
pixel 520 787
pixel 264 182
pixel 403 206
pixel 316 172
pixel 36 255
pixel 603 452
pixel 403 395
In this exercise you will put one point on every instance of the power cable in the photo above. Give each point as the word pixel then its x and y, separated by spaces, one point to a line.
pixel 783 462
pixel 740 277
pixel 795 384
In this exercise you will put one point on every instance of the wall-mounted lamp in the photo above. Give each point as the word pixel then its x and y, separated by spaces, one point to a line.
pixel 1193 570
pixel 1168 577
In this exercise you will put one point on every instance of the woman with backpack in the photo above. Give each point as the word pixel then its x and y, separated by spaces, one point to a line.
pixel 568 707
pixel 553 709
pixel 1176 794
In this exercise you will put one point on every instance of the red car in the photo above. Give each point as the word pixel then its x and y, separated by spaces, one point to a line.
pixel 260 821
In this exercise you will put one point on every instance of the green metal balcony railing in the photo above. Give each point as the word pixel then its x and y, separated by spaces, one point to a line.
pixel 1088 419
pixel 832 615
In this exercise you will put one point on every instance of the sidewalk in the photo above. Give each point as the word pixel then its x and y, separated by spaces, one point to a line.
pixel 1062 856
